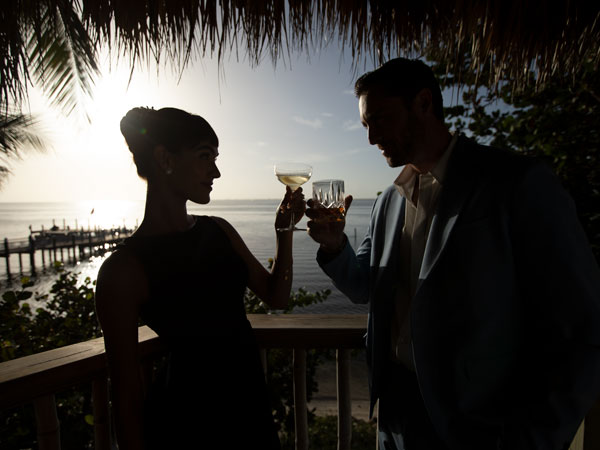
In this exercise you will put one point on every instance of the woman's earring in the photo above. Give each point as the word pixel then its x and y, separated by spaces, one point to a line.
pixel 169 171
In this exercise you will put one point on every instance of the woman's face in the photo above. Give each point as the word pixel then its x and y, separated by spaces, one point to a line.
pixel 194 170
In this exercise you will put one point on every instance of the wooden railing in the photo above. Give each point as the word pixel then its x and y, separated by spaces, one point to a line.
pixel 36 378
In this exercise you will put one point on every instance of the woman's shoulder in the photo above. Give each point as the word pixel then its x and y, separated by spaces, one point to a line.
pixel 121 289
pixel 228 231
pixel 122 272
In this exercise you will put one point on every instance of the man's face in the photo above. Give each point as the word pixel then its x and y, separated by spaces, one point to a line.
pixel 390 125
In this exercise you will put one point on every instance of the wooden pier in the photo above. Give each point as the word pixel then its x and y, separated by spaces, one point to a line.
pixel 54 243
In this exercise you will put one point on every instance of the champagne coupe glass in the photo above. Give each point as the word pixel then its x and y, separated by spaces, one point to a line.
pixel 293 175
pixel 329 194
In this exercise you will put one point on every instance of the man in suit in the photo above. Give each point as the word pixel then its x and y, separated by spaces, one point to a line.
pixel 484 295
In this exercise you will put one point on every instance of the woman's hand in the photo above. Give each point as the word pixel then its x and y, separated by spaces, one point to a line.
pixel 293 202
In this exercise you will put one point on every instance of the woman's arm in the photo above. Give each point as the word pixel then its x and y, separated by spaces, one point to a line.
pixel 120 289
pixel 272 287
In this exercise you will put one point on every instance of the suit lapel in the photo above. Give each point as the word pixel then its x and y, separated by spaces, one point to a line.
pixel 394 222
pixel 455 192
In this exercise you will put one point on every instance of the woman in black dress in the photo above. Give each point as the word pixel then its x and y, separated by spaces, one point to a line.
pixel 185 277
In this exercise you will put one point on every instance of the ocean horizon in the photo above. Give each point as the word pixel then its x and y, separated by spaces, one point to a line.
pixel 253 219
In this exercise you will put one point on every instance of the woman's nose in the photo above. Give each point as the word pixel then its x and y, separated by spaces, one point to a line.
pixel 217 173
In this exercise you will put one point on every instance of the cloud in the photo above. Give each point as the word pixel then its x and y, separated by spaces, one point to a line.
pixel 353 151
pixel 310 158
pixel 326 114
pixel 317 157
pixel 350 125
pixel 314 123
pixel 348 92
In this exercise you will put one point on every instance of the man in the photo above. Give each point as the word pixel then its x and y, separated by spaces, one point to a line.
pixel 484 316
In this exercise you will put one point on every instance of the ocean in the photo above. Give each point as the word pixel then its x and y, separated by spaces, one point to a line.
pixel 253 219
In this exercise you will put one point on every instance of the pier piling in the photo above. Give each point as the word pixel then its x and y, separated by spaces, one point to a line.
pixel 32 254
pixel 57 240
pixel 7 252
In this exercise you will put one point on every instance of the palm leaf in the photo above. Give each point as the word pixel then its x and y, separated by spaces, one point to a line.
pixel 61 55
pixel 18 133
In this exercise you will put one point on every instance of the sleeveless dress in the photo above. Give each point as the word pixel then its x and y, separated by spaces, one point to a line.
pixel 211 393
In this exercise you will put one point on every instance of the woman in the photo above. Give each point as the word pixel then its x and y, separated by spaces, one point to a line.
pixel 185 276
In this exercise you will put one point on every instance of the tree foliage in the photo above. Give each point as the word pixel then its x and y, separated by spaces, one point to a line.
pixel 47 45
pixel 68 317
pixel 558 122
pixel 17 132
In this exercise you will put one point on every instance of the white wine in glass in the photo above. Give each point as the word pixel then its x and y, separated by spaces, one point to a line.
pixel 293 175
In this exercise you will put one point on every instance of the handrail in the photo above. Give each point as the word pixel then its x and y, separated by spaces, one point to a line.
pixel 35 378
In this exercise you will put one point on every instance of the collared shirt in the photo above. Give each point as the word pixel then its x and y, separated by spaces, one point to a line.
pixel 417 222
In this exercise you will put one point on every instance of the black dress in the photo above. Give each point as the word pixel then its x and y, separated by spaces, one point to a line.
pixel 211 393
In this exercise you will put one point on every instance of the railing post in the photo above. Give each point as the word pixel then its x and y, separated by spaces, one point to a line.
pixel 301 419
pixel 101 414
pixel 48 427
pixel 344 400
pixel 74 248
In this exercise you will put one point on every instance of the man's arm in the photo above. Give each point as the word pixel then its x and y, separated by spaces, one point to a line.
pixel 349 271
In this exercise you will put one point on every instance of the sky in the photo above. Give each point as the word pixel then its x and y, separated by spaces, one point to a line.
pixel 303 109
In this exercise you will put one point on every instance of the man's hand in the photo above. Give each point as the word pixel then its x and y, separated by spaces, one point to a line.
pixel 326 228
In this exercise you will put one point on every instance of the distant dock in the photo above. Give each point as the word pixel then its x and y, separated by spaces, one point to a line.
pixel 55 242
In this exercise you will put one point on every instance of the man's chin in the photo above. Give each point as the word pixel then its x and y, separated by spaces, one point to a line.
pixel 393 162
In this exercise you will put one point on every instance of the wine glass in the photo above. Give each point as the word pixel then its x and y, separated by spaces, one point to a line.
pixel 293 175
pixel 329 195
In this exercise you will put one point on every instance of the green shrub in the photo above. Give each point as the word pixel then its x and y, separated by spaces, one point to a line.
pixel 68 317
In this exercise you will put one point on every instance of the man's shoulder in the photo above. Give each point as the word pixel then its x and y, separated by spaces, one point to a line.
pixel 491 160
pixel 389 194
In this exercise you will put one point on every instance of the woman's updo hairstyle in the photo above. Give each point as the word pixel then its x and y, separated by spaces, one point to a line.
pixel 145 128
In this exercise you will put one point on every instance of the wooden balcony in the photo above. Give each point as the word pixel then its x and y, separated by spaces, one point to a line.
pixel 36 378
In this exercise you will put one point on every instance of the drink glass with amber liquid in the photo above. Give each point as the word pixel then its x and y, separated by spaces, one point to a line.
pixel 329 194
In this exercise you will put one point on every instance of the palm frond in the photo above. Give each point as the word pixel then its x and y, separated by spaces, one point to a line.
pixel 61 56
pixel 18 134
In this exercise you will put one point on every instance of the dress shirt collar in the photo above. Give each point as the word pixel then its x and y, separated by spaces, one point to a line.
pixel 405 182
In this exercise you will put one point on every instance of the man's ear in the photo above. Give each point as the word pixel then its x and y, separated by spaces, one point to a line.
pixel 423 102
pixel 163 158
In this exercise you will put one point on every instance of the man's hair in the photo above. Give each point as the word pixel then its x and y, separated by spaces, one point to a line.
pixel 404 78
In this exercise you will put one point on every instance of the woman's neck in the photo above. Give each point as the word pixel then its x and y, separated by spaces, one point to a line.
pixel 164 214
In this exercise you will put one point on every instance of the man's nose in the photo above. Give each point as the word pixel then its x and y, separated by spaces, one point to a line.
pixel 372 135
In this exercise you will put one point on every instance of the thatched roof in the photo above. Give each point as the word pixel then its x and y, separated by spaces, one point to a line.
pixel 511 36
pixel 514 34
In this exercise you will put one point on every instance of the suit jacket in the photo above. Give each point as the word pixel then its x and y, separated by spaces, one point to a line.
pixel 506 317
